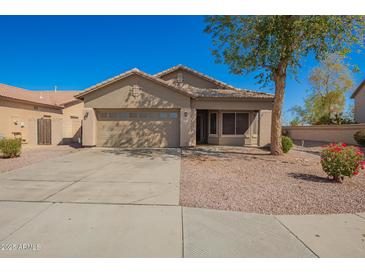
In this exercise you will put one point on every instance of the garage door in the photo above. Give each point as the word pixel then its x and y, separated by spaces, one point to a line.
pixel 116 128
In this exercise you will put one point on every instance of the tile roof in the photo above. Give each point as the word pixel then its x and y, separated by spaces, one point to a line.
pixel 134 71
pixel 44 97
pixel 229 93
pixel 202 75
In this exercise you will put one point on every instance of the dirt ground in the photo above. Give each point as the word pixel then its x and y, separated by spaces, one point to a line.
pixel 251 180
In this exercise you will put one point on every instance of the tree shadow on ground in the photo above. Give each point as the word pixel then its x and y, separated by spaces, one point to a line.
pixel 163 153
pixel 311 178
pixel 211 152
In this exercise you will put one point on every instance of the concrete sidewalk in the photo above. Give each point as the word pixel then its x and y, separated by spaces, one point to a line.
pixel 46 229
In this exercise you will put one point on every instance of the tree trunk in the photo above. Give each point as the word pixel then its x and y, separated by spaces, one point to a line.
pixel 279 78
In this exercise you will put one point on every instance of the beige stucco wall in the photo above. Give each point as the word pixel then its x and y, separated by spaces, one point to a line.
pixel 150 95
pixel 22 117
pixel 264 127
pixel 189 79
pixel 56 131
pixel 360 106
pixel 325 133
pixel 74 109
pixel 187 127
pixel 72 117
pixel 19 117
pixel 89 127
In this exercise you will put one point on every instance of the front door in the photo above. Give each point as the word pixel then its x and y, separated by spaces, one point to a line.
pixel 202 127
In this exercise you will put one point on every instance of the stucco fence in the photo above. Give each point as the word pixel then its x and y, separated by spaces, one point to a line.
pixel 323 133
pixel 63 131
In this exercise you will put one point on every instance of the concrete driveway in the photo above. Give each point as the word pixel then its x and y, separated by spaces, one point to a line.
pixel 99 176
pixel 124 203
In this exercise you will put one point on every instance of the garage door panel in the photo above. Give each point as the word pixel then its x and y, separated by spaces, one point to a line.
pixel 138 129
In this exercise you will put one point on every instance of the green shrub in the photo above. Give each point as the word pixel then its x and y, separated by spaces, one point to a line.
pixel 340 160
pixel 360 137
pixel 10 148
pixel 286 143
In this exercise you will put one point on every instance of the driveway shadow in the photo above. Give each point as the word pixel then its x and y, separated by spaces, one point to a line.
pixel 225 152
pixel 145 153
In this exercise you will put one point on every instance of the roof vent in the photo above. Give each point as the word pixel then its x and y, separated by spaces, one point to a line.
pixel 179 77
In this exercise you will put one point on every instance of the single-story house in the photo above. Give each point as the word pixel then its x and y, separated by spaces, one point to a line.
pixel 359 97
pixel 177 107
pixel 40 117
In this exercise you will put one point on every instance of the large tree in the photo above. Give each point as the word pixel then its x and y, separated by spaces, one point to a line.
pixel 272 45
pixel 330 81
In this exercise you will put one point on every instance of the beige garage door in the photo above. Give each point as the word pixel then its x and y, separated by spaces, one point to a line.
pixel 138 128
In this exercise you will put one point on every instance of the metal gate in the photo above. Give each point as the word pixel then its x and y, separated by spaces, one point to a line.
pixel 44 131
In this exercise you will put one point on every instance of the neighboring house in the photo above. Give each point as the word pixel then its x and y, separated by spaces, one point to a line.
pixel 174 108
pixel 359 97
pixel 40 117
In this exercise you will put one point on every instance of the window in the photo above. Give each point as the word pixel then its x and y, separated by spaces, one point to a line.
pixel 213 123
pixel 123 115
pixel 113 115
pixel 235 123
pixel 142 115
pixel 163 115
pixel 102 115
pixel 133 115
pixel 228 123
pixel 241 123
pixel 153 115
pixel 173 115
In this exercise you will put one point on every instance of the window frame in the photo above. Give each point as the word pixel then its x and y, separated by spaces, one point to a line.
pixel 216 124
pixel 235 118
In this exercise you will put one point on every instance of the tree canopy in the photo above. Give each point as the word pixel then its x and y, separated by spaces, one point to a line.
pixel 330 81
pixel 262 43
pixel 272 45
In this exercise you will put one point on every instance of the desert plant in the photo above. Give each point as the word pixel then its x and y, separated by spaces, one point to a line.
pixel 360 137
pixel 10 148
pixel 340 161
pixel 286 143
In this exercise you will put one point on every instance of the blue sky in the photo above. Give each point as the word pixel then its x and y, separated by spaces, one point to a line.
pixel 75 52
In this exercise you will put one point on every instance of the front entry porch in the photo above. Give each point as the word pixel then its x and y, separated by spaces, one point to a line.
pixel 227 127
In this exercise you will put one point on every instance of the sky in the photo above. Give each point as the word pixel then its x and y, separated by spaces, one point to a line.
pixel 76 52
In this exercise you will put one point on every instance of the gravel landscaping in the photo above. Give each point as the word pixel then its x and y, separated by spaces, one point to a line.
pixel 34 154
pixel 251 180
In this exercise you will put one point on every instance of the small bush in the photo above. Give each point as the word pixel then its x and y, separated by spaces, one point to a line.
pixel 286 143
pixel 340 160
pixel 10 148
pixel 360 137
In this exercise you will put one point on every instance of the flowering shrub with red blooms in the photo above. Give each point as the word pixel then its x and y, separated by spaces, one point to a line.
pixel 340 160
